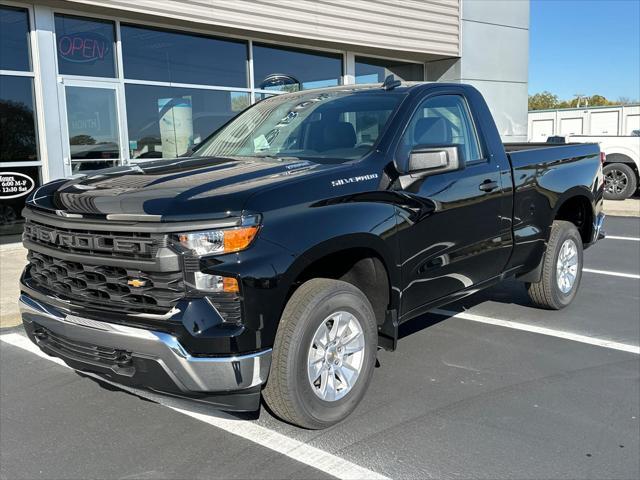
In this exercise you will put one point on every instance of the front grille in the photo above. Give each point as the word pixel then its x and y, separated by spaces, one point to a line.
pixel 128 245
pixel 106 287
pixel 228 306
pixel 117 360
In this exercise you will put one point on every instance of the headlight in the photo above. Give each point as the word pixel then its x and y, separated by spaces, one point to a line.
pixel 226 240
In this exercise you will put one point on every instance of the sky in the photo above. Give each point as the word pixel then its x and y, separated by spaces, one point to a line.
pixel 585 47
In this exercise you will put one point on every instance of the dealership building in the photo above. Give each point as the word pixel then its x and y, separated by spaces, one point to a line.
pixel 88 84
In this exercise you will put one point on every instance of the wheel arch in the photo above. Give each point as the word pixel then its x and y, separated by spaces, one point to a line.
pixel 621 155
pixel 624 158
pixel 576 206
pixel 364 260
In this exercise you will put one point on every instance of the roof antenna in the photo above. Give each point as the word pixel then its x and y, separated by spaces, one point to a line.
pixel 390 83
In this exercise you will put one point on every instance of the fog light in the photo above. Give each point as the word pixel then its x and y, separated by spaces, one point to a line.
pixel 216 283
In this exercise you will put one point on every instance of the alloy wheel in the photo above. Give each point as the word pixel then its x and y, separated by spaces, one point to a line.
pixel 567 266
pixel 336 356
pixel 615 181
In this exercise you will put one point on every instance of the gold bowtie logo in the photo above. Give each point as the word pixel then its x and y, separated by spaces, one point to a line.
pixel 136 283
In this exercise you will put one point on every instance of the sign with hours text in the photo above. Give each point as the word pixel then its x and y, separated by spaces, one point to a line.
pixel 14 185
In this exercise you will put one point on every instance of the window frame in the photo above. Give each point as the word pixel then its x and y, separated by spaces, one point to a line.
pixel 373 57
pixel 245 42
pixel 339 55
pixel 348 57
pixel 40 165
pixel 116 42
pixel 34 74
pixel 401 163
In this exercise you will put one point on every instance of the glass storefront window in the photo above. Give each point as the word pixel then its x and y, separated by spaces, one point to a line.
pixel 165 56
pixel 14 39
pixel 165 122
pixel 17 120
pixel 85 46
pixel 92 123
pixel 374 70
pixel 289 69
pixel 16 183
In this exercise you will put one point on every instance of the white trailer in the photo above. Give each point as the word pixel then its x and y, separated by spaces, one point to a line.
pixel 599 121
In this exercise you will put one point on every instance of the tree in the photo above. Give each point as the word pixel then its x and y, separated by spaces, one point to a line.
pixel 82 139
pixel 542 101
pixel 599 101
pixel 547 100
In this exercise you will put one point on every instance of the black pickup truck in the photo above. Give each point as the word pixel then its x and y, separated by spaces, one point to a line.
pixel 287 248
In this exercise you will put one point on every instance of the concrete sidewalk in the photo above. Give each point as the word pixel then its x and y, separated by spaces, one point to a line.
pixel 13 258
pixel 626 208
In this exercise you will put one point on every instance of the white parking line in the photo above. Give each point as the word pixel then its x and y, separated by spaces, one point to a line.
pixel 614 237
pixel 600 342
pixel 292 448
pixel 614 274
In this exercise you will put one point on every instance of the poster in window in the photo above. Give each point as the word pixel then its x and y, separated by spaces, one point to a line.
pixel 176 125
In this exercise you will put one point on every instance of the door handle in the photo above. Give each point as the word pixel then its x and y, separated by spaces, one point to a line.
pixel 488 185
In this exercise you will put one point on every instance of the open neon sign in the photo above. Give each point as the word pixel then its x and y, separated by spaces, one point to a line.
pixel 83 47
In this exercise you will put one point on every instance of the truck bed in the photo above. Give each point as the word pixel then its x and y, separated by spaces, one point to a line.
pixel 518 146
pixel 523 155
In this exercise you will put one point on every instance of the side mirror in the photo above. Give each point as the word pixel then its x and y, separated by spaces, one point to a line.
pixel 425 161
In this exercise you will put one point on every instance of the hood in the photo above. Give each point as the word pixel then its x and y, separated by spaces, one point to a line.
pixel 180 189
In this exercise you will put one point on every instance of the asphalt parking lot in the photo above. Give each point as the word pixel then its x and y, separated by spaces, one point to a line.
pixel 549 395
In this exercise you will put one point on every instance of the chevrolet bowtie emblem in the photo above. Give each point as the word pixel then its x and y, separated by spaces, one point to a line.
pixel 136 283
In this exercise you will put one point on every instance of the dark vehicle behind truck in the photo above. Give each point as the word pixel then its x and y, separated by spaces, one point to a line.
pixel 289 246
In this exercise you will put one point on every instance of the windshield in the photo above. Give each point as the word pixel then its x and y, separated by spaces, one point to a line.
pixel 332 125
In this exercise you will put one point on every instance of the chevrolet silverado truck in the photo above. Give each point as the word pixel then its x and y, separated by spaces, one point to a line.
pixel 277 257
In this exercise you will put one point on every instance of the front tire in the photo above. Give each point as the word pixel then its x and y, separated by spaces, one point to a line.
pixel 561 268
pixel 620 181
pixel 323 356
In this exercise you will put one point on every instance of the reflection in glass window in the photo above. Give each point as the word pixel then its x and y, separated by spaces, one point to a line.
pixel 166 122
pixel 374 70
pixel 165 56
pixel 290 70
pixel 14 39
pixel 17 120
pixel 93 123
pixel 91 165
pixel 262 96
pixel 85 47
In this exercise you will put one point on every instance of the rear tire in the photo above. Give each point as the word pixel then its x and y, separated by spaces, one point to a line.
pixel 620 181
pixel 316 307
pixel 561 268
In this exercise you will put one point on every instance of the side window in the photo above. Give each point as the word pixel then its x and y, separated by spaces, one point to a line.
pixel 441 121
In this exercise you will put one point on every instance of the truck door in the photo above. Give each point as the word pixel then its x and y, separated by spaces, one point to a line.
pixel 455 230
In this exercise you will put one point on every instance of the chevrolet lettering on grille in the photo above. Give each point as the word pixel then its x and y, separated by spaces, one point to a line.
pixel 94 241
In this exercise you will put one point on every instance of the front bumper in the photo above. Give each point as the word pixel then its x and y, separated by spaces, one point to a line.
pixel 146 358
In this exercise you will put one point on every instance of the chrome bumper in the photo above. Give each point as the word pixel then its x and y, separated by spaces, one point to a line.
pixel 190 374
